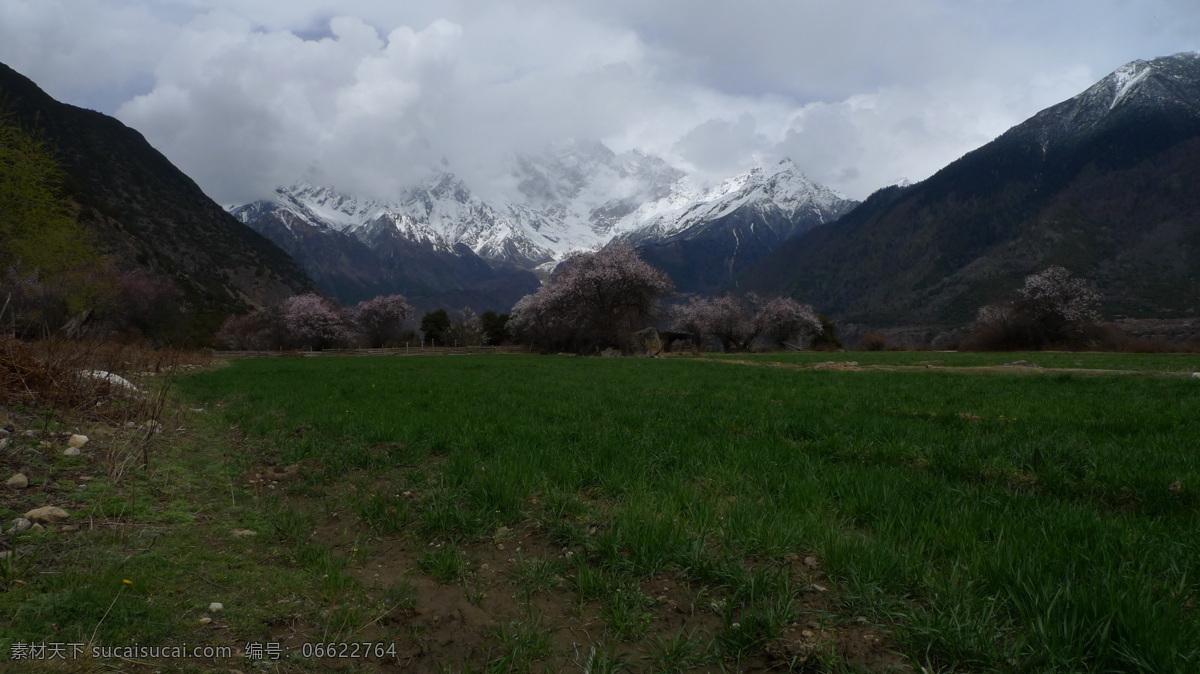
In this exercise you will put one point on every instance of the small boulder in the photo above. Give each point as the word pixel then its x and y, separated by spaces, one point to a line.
pixel 19 524
pixel 77 441
pixel 18 481
pixel 47 515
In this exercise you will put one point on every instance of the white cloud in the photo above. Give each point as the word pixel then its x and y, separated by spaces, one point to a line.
pixel 368 94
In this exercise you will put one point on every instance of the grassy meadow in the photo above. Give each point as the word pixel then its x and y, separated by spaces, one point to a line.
pixel 552 513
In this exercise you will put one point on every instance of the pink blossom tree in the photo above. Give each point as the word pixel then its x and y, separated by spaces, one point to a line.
pixel 316 322
pixel 593 300
pixel 380 320
pixel 1052 308
pixel 737 322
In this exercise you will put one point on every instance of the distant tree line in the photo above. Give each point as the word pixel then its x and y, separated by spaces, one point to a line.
pixel 316 322
pixel 599 299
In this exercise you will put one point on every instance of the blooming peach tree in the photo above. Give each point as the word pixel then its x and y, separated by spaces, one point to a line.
pixel 738 321
pixel 593 300
pixel 380 320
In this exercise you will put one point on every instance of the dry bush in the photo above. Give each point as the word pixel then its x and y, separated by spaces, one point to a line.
pixel 45 379
pixel 874 341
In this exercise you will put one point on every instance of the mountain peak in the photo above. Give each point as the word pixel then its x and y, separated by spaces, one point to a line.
pixel 1168 83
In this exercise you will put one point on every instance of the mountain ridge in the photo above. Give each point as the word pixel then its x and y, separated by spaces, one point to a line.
pixel 1098 183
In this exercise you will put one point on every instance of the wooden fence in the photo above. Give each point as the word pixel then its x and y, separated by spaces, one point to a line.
pixel 400 351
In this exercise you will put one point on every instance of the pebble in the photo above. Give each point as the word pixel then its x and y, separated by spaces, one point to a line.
pixel 44 444
pixel 72 451
pixel 811 562
pixel 215 606
pixel 18 481
pixel 205 621
pixel 77 441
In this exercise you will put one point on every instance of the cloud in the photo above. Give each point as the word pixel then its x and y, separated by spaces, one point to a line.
pixel 368 95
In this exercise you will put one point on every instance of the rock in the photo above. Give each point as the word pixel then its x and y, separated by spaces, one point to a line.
pixel 216 606
pixel 18 481
pixel 72 451
pixel 19 524
pixel 610 353
pixel 4 432
pixel 115 381
pixel 205 621
pixel 152 426
pixel 1196 375
pixel 77 441
pixel 811 562
pixel 37 527
pixel 239 533
pixel 44 444
pixel 3 443
pixel 648 342
pixel 5 554
pixel 48 514
pixel 30 433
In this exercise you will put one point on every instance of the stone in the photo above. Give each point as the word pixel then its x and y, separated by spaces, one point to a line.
pixel 3 443
pixel 116 381
pixel 72 451
pixel 1196 375
pixel 48 515
pixel 648 342
pixel 216 606
pixel 18 481
pixel 4 432
pixel 205 621
pixel 44 444
pixel 37 527
pixel 77 441
pixel 19 524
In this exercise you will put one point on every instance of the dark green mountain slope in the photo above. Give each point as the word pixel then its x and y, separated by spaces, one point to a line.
pixel 145 213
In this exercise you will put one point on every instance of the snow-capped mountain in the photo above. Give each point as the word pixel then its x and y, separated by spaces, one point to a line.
pixel 1168 81
pixel 1103 183
pixel 572 197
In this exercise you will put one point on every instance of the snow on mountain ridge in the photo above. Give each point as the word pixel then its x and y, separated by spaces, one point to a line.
pixel 574 197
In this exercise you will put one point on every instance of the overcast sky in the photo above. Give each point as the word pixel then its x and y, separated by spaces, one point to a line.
pixel 367 95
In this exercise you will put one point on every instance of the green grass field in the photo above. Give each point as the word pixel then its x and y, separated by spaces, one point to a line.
pixel 546 513
pixel 988 522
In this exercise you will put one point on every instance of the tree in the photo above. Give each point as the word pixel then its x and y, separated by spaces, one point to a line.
pixel 737 322
pixel 47 271
pixel 316 322
pixel 465 329
pixel 593 300
pixel 1053 308
pixel 435 325
pixel 381 319
pixel 495 327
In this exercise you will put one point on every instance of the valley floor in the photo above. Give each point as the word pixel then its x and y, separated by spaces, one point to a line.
pixel 772 512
